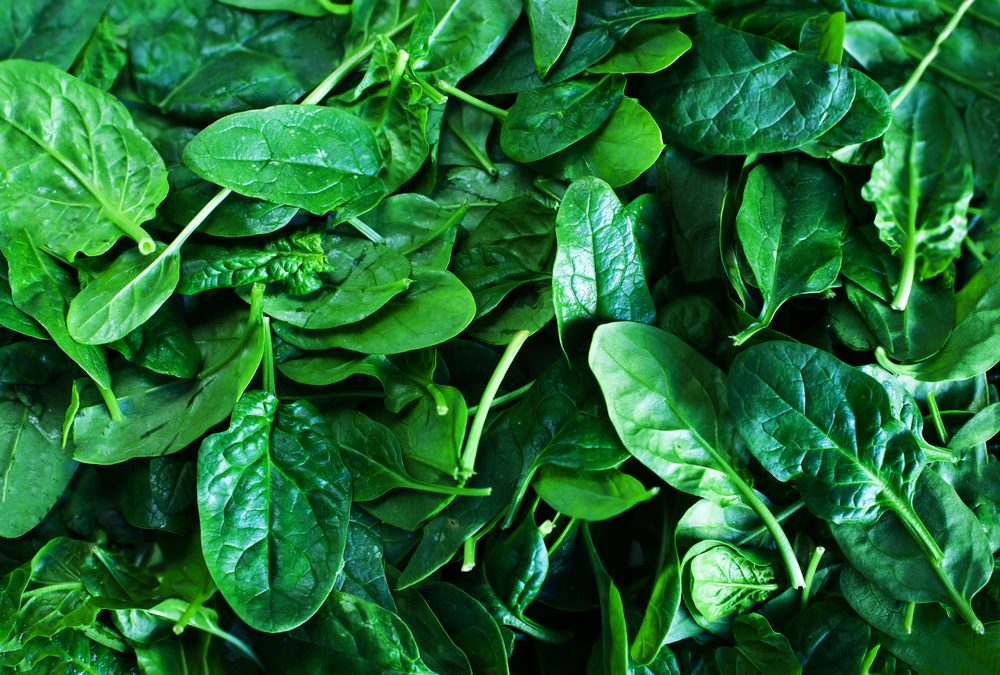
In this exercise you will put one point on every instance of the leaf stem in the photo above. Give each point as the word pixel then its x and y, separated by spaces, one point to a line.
pixel 111 402
pixel 866 665
pixel 453 491
pixel 268 369
pixel 467 464
pixel 185 618
pixel 773 526
pixel 911 608
pixel 366 230
pixel 811 574
pixel 909 268
pixel 931 54
pixel 350 63
pixel 936 417
pixel 452 90
pixel 504 399
pixel 402 58
pixel 976 250
pixel 469 555
pixel 53 588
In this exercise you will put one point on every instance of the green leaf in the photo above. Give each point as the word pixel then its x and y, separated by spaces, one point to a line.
pixel 456 36
pixel 86 179
pixel 276 467
pixel 517 567
pixel 830 638
pixel 543 122
pixel 590 495
pixel 124 296
pixel 720 580
pixel 35 467
pixel 922 186
pixel 42 30
pixel 887 554
pixel 231 351
pixel 597 274
pixel 317 158
pixel 614 632
pixel 668 405
pixel 735 94
pixel 858 473
pixel 768 650
pixel 434 308
pixel 647 48
pixel 43 288
pixel 791 225
pixel 102 59
pixel 600 154
pixel 551 25
pixel 973 347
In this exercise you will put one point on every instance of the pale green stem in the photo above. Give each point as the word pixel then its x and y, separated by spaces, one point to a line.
pixel 452 90
pixel 504 399
pixel 111 402
pixel 909 260
pixel 781 516
pixel 469 555
pixel 977 251
pixel 911 608
pixel 773 526
pixel 978 16
pixel 268 370
pixel 453 491
pixel 866 665
pixel 467 463
pixel 936 417
pixel 366 230
pixel 185 618
pixel 931 53
pixel 348 64
pixel 52 588
pixel 562 536
pixel 402 58
pixel 811 574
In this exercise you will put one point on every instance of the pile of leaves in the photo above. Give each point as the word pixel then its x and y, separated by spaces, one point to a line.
pixel 466 336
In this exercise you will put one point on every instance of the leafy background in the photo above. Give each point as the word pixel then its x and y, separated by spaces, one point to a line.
pixel 605 336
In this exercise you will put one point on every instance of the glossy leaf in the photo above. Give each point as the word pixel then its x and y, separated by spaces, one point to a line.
pixel 597 274
pixel 276 467
pixel 735 93
pixel 110 178
pixel 317 158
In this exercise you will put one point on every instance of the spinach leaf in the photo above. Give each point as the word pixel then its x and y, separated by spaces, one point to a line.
pixel 317 158
pixel 735 93
pixel 109 178
pixel 790 226
pixel 597 274
pixel 277 468
pixel 922 187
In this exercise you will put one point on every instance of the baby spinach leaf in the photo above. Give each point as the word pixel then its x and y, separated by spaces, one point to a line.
pixel 455 36
pixel 849 474
pixel 790 226
pixel 35 465
pixel 971 349
pixel 545 121
pixel 224 60
pixel 275 466
pixel 551 26
pixel 910 576
pixel 231 349
pixel 41 286
pixel 41 30
pixel 668 405
pixel 317 158
pixel 600 154
pixel 736 93
pixel 589 495
pixel 647 48
pixel 721 579
pixel 597 274
pixel 103 178
pixel 434 308
pixel 922 187
pixel 124 296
